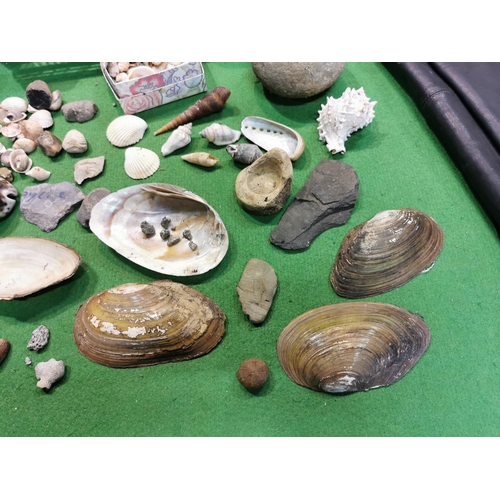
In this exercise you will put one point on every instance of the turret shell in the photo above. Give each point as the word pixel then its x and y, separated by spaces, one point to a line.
pixel 145 324
pixel 201 158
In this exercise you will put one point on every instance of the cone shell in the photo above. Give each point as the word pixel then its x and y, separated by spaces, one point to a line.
pixel 126 130
pixel 141 162
pixel 352 346
pixel 386 252
pixel 179 138
pixel 145 324
pixel 220 134
pixel 213 102
pixel 200 158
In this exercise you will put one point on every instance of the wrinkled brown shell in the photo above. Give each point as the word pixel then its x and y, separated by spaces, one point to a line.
pixel 352 346
pixel 386 252
pixel 145 324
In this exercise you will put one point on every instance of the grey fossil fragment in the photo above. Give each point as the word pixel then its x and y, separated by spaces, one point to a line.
pixel 79 111
pixel 49 372
pixel 94 197
pixel 39 338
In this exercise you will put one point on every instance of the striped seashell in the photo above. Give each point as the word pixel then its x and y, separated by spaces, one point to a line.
pixel 141 163
pixel 220 134
pixel 179 138
pixel 126 130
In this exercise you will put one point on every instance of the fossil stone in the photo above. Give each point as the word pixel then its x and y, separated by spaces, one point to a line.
pixel 39 95
pixel 325 201
pixel 256 289
pixel 4 349
pixel 79 111
pixel 49 373
pixel 94 197
pixel 253 374
pixel 49 144
pixel 297 80
pixel 46 204
pixel 39 338
pixel 6 174
pixel 88 168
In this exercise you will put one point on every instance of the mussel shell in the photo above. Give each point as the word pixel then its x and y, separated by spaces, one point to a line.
pixel 145 324
pixel 352 347
pixel 386 252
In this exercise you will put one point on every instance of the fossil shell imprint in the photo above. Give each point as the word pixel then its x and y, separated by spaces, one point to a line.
pixel 126 130
pixel 386 252
pixel 88 168
pixel 213 102
pixel 339 118
pixel 179 138
pixel 352 346
pixel 141 163
pixel 220 134
pixel 49 262
pixel 200 158
pixel 43 117
pixel 116 220
pixel 264 186
pixel 74 142
pixel 268 135
pixel 145 324
pixel 8 194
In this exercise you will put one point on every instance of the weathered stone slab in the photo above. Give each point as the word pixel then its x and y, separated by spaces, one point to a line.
pixel 92 199
pixel 326 200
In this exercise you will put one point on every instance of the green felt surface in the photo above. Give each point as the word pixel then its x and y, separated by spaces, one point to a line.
pixel 453 389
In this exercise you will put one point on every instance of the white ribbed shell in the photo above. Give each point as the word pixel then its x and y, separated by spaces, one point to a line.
pixel 141 162
pixel 126 130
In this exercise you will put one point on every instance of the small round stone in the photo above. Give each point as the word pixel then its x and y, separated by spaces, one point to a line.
pixel 253 374
pixel 4 349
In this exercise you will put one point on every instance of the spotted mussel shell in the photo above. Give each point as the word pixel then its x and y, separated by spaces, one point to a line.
pixel 386 252
pixel 135 325
pixel 352 347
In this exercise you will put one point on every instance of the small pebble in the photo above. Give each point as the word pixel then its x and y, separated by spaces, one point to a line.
pixel 165 222
pixel 192 245
pixel 253 374
pixel 39 339
pixel 165 234
pixel 4 349
pixel 173 241
pixel 27 360
pixel 147 228
pixel 187 234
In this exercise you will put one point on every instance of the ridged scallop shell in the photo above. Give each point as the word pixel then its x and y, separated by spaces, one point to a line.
pixel 268 135
pixel 43 117
pixel 126 130
pixel 201 158
pixel 74 142
pixel 49 262
pixel 38 173
pixel 339 118
pixel 141 163
pixel 116 220
pixel 220 134
pixel 386 252
pixel 20 161
pixel 135 325
pixel 8 194
pixel 179 138
pixel 352 346
pixel 264 187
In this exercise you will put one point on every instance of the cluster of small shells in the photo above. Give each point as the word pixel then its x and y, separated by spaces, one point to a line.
pixel 124 71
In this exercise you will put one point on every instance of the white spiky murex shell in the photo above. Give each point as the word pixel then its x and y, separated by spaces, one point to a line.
pixel 220 134
pixel 339 118
pixel 140 163
pixel 126 130
pixel 179 138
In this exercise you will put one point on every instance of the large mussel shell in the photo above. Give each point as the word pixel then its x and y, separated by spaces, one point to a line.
pixel 145 324
pixel 352 346
pixel 386 252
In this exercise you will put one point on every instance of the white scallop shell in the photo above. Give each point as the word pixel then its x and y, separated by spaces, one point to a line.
pixel 38 173
pixel 126 130
pixel 179 138
pixel 268 135
pixel 74 142
pixel 339 118
pixel 20 161
pixel 220 134
pixel 116 220
pixel 141 162
pixel 43 117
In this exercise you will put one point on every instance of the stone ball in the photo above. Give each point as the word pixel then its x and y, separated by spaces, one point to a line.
pixel 297 80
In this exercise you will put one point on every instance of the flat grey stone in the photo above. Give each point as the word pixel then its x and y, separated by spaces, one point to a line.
pixel 39 338
pixel 46 204
pixel 79 111
pixel 92 199
pixel 326 200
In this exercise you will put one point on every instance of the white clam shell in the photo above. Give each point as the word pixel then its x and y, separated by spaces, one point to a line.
pixel 126 130
pixel 15 108
pixel 56 102
pixel 11 131
pixel 43 117
pixel 74 142
pixel 220 134
pixel 116 220
pixel 5 157
pixel 140 163
pixel 38 173
pixel 27 145
pixel 48 261
pixel 179 138
pixel 268 135
pixel 139 72
pixel 20 161
pixel 339 118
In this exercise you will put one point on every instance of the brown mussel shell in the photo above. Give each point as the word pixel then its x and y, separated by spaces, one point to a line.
pixel 145 324
pixel 386 252
pixel 352 346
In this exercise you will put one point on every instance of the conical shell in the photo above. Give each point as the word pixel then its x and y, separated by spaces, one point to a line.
pixel 352 346
pixel 179 138
pixel 220 134
pixel 74 142
pixel 213 102
pixel 43 117
pixel 200 158
pixel 135 325
pixel 126 130
pixel 38 173
pixel 386 252
pixel 141 163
